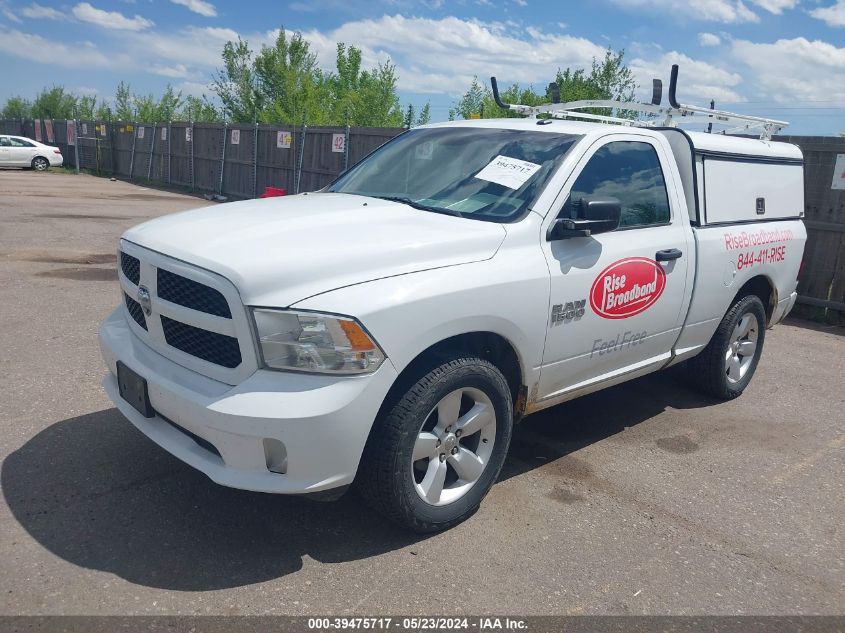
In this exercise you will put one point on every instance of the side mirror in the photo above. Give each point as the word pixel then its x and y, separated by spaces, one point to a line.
pixel 595 214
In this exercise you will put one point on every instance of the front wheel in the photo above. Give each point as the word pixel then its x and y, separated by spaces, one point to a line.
pixel 725 367
pixel 434 455
pixel 39 163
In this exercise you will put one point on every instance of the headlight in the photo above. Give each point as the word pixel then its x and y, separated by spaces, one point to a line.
pixel 307 341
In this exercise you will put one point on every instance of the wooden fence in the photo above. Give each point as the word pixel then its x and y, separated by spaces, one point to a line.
pixel 236 161
pixel 239 161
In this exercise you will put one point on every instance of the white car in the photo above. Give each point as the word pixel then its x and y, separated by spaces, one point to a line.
pixel 19 151
pixel 391 329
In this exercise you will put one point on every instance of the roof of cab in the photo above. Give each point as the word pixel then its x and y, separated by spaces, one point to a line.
pixel 714 143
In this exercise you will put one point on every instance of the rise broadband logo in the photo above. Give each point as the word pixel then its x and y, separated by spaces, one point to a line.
pixel 627 287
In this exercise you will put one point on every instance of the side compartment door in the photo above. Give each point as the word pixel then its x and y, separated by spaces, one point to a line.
pixel 617 298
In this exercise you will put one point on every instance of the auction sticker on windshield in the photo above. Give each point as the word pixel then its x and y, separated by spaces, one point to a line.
pixel 627 287
pixel 508 172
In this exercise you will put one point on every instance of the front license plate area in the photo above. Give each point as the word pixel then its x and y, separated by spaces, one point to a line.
pixel 133 389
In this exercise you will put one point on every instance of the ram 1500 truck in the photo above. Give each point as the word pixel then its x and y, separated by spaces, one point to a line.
pixel 390 329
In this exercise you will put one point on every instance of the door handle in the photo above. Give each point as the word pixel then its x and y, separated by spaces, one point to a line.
pixel 668 255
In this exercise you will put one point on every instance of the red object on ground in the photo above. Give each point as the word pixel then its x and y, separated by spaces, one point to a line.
pixel 273 192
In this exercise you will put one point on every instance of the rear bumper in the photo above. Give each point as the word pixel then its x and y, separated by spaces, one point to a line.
pixel 56 160
pixel 322 422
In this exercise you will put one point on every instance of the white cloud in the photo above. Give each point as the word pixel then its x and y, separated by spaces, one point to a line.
pixel 198 6
pixel 36 48
pixel 8 13
pixel 834 15
pixel 40 12
pixel 443 55
pixel 177 72
pixel 725 11
pixel 109 19
pixel 709 39
pixel 776 6
pixel 698 81
pixel 794 71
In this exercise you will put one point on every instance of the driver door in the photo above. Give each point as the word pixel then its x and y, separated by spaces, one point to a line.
pixel 617 298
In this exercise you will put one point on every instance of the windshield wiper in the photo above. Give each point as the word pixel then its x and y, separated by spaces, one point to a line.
pixel 418 205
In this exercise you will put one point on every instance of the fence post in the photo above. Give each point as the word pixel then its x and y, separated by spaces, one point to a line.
pixel 255 161
pixel 76 143
pixel 346 149
pixel 169 153
pixel 193 180
pixel 113 144
pixel 223 159
pixel 298 176
pixel 152 152
pixel 132 156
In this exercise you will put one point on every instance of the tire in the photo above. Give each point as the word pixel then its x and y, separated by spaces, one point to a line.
pixel 444 420
pixel 725 367
pixel 39 163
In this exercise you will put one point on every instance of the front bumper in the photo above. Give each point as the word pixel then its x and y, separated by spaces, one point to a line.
pixel 322 421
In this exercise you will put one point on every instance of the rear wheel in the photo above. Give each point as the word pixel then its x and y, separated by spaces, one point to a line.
pixel 725 367
pixel 39 163
pixel 435 454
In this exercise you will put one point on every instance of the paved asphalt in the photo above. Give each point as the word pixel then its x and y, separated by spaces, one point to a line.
pixel 643 499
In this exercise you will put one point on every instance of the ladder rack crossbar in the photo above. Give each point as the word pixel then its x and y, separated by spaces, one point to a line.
pixel 667 116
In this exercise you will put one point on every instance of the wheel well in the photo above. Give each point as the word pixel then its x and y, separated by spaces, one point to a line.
pixel 35 158
pixel 487 345
pixel 763 288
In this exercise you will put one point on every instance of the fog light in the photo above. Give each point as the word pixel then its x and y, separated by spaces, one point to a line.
pixel 276 456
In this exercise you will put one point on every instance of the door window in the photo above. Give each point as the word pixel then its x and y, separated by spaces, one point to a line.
pixel 4 141
pixel 629 171
pixel 17 142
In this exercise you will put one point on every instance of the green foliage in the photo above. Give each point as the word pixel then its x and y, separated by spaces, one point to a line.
pixel 17 108
pixel 198 110
pixel 124 108
pixel 608 78
pixel 283 84
pixel 54 103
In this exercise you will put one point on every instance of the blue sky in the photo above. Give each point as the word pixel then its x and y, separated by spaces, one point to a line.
pixel 779 58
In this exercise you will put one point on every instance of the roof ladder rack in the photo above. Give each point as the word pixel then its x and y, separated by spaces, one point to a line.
pixel 658 115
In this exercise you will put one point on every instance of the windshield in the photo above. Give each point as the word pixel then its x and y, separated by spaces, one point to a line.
pixel 481 173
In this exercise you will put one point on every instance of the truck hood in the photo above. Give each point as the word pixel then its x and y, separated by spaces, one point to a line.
pixel 279 251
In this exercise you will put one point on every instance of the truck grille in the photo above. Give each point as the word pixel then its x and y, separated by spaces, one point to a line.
pixel 215 348
pixel 195 317
pixel 135 310
pixel 191 294
pixel 131 267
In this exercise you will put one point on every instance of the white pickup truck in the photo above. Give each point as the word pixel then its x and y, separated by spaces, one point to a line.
pixel 391 329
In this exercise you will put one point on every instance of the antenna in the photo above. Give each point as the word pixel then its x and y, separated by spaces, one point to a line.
pixel 665 116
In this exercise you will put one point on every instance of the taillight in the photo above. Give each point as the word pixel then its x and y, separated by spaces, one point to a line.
pixel 57 151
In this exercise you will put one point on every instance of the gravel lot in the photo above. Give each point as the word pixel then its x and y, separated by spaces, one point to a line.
pixel 643 499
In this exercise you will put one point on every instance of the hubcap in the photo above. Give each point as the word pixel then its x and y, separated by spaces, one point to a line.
pixel 742 348
pixel 454 446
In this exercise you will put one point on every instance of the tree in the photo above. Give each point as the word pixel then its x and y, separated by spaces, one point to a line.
pixel 54 103
pixel 608 78
pixel 198 110
pixel 235 83
pixel 289 81
pixel 17 108
pixel 86 107
pixel 152 110
pixel 124 108
pixel 425 114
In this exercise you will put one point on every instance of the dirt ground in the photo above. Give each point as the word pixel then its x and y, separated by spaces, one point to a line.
pixel 643 499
